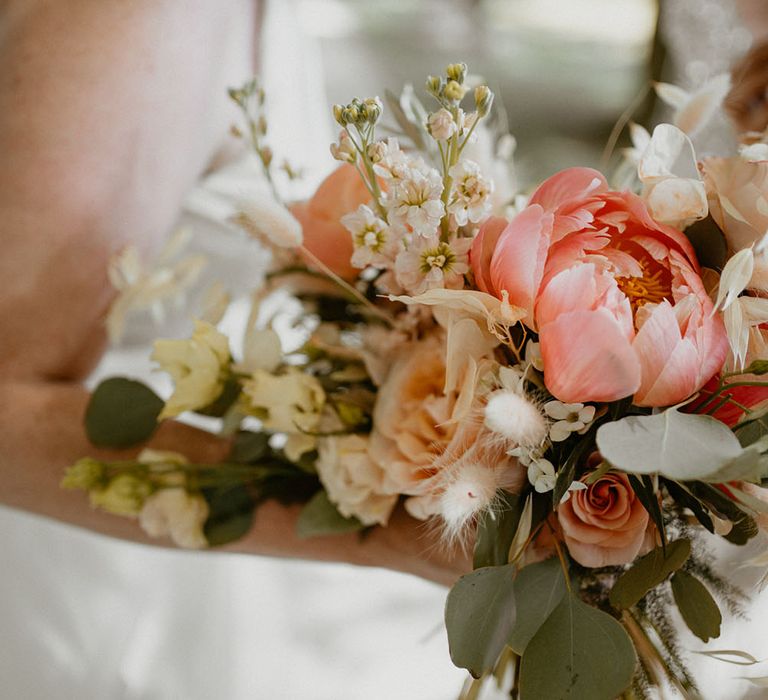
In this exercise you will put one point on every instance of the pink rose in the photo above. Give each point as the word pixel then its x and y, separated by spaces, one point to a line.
pixel 615 297
pixel 324 236
pixel 604 524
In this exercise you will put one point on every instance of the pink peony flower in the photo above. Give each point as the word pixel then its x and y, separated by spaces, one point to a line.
pixel 324 235
pixel 605 524
pixel 615 297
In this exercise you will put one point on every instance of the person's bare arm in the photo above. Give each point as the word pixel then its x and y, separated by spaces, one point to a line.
pixel 109 111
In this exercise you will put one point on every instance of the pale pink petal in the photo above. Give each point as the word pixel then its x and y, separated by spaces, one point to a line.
pixel 517 265
pixel 596 556
pixel 587 357
pixel 567 185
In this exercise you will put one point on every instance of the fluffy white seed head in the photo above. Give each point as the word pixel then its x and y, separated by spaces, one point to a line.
pixel 471 490
pixel 516 418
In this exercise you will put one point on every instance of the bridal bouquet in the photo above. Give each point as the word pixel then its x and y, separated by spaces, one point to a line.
pixel 571 383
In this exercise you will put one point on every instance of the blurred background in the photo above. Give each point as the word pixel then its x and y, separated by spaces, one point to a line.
pixel 95 619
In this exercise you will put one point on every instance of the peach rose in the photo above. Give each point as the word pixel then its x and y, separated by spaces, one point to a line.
pixel 604 524
pixel 615 297
pixel 443 464
pixel 324 236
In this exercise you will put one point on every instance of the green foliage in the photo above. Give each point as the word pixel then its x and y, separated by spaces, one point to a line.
pixel 479 617
pixel 648 572
pixel 579 653
pixel 757 367
pixel 680 446
pixel 744 527
pixel 709 243
pixel 121 413
pixel 231 513
pixel 496 530
pixel 249 447
pixel 751 431
pixel 230 393
pixel 646 493
pixel 321 517
pixel 696 605
pixel 539 588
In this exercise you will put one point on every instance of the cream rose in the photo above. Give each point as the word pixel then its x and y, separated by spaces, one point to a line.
pixel 196 366
pixel 604 524
pixel 353 480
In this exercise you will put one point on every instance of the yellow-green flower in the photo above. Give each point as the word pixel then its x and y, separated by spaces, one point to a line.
pixel 84 474
pixel 197 366
pixel 124 495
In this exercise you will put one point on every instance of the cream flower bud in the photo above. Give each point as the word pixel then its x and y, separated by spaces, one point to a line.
pixel 457 72
pixel 454 91
pixel 351 114
pixel 372 109
pixel 338 115
pixel 84 474
pixel 516 418
pixel 434 85
pixel 483 99
pixel 376 151
pixel 442 125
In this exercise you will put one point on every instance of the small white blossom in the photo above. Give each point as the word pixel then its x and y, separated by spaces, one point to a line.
pixel 569 418
pixel 395 165
pixel 471 200
pixel 541 474
pixel 442 125
pixel 374 242
pixel 416 202
pixel 344 150
pixel 430 263
pixel 174 513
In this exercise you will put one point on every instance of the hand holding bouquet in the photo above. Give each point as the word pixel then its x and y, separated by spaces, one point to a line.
pixel 570 384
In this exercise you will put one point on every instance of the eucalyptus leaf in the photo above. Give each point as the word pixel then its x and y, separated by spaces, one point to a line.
pixel 731 656
pixel 321 517
pixel 231 513
pixel 680 446
pixel 495 530
pixel 121 413
pixel 539 588
pixel 648 572
pixel 696 605
pixel 479 617
pixel 579 653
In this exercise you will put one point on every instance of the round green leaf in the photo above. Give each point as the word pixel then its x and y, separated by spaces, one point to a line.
pixel 579 653
pixel 321 517
pixel 648 572
pixel 696 605
pixel 121 413
pixel 539 588
pixel 479 616
pixel 231 513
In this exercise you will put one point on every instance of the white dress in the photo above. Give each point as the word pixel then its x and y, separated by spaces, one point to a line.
pixel 85 617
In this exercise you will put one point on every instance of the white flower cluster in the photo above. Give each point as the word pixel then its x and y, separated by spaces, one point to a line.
pixel 414 233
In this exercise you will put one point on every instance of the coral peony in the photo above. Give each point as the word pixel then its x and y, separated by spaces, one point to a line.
pixel 615 297
pixel 604 524
pixel 324 235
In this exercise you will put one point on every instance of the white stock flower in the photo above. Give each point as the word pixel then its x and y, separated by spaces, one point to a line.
pixel 471 196
pixel 353 481
pixel 196 365
pixel 569 418
pixel 177 514
pixel 430 263
pixel 395 165
pixel 374 242
pixel 416 202
pixel 442 125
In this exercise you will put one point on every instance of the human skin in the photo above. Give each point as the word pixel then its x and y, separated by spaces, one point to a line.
pixel 109 112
